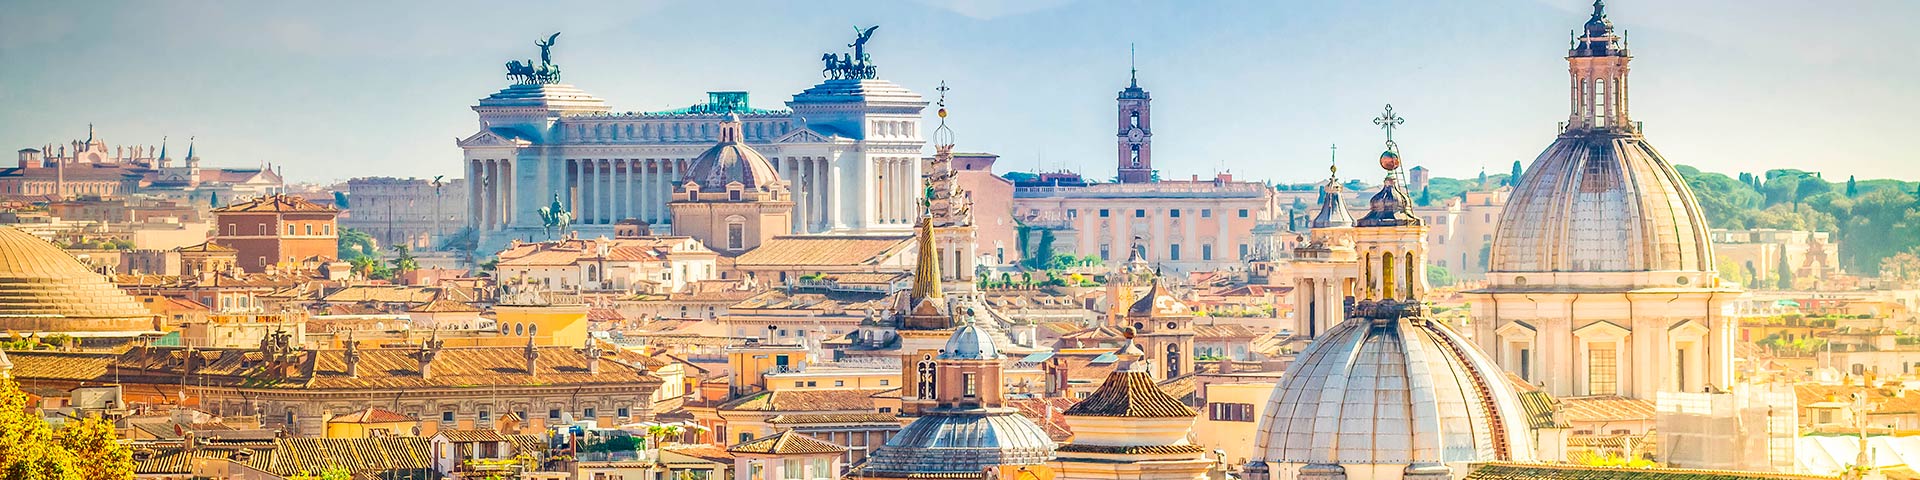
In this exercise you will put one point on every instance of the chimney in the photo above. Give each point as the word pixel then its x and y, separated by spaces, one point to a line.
pixel 593 353
pixel 532 355
pixel 353 356
pixel 428 350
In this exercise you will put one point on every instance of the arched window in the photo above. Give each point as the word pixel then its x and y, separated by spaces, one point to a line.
pixel 1366 269
pixel 593 273
pixel 1133 119
pixel 1386 273
pixel 1173 360
pixel 926 387
pixel 290 418
pixel 1411 281
pixel 1135 155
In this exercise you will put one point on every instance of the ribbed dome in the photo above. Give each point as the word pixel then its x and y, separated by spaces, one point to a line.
pixel 1601 202
pixel 959 443
pixel 1392 392
pixel 42 288
pixel 732 161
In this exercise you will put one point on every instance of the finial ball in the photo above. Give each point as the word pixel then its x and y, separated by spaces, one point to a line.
pixel 1389 160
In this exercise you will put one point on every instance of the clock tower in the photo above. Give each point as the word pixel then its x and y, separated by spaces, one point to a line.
pixel 1135 133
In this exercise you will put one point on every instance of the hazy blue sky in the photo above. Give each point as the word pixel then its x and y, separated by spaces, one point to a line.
pixel 331 90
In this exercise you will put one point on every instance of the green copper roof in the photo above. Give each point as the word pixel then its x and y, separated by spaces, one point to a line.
pixel 718 103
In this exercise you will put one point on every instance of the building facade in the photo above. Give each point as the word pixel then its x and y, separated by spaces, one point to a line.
pixel 278 231
pixel 414 212
pixel 849 148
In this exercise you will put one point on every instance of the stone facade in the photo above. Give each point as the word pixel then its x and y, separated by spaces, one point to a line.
pixel 406 211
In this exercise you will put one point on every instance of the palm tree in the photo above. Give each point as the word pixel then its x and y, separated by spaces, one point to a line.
pixel 403 261
pixel 364 265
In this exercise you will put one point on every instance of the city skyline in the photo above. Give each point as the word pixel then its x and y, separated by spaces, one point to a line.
pixel 1315 75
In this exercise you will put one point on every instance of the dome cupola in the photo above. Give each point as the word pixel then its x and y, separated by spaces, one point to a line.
pixel 730 160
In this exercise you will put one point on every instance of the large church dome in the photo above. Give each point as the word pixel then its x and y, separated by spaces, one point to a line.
pixel 44 289
pixel 1600 202
pixel 1391 398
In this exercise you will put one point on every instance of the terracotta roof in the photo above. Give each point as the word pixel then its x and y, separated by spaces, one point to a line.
pixel 387 368
pixel 1159 302
pixel 444 306
pixel 385 294
pixel 824 250
pixel 278 204
pixel 1540 408
pixel 1045 412
pixel 1530 471
pixel 46 365
pixel 371 415
pixel 702 451
pixel 207 247
pixel 1131 449
pixel 286 457
pixel 475 435
pixel 1888 401
pixel 834 418
pixel 807 401
pixel 787 442
pixel 1606 409
pixel 1130 393
pixel 1224 330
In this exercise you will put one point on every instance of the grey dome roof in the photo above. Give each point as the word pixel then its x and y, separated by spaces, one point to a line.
pixel 1333 210
pixel 1392 392
pixel 1601 202
pixel 963 442
pixel 731 160
pixel 969 343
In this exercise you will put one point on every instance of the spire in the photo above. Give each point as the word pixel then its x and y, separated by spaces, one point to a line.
pixel 163 147
pixel 926 273
pixel 942 136
pixel 190 147
pixel 89 133
pixel 1391 207
pixel 1333 210
pixel 1598 25
pixel 1133 69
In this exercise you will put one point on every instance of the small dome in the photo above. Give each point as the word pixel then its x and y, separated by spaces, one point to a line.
pixel 1333 210
pixel 730 161
pixel 43 288
pixel 969 343
pixel 1398 392
pixel 959 444
pixel 1390 207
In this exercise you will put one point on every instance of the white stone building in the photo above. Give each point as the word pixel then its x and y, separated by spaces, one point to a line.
pixel 849 147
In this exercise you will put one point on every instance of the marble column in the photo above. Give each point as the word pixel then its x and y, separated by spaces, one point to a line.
pixel 473 200
pixel 506 193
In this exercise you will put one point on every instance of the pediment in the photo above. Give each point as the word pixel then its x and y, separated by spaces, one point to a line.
pixel 1516 330
pixel 1687 328
pixel 1601 330
pixel 489 137
pixel 801 136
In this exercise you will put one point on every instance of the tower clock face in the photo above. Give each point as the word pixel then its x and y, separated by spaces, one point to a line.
pixel 1136 135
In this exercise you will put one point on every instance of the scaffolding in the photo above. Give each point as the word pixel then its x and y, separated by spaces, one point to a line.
pixel 1747 429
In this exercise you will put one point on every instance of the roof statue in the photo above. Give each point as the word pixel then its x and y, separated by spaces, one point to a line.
pixel 555 217
pixel 544 73
pixel 854 66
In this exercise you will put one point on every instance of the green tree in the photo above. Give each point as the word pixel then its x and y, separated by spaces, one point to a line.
pixel 1853 189
pixel 354 243
pixel 403 261
pixel 1783 275
pixel 1426 197
pixel 329 473
pixel 1042 251
pixel 82 449
pixel 1439 276
pixel 213 200
pixel 1513 178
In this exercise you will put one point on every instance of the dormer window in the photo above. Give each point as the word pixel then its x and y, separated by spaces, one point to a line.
pixel 733 195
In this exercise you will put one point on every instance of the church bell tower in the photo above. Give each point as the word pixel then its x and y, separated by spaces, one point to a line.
pixel 1135 131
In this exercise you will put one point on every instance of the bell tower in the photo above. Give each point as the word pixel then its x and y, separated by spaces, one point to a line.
pixel 1135 130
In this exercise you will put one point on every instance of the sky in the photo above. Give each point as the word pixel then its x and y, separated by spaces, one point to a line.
pixel 333 90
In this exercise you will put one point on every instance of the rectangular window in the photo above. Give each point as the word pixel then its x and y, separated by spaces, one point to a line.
pixel 1206 213
pixel 553 414
pixel 884 382
pixel 1175 213
pixel 1105 250
pixel 289 229
pixel 798 384
pixel 1173 252
pixel 1602 370
pixel 264 230
pixel 1243 250
pixel 1103 213
pixel 1526 364
pixel 1230 412
pixel 736 236
pixel 1139 213
pixel 791 469
pixel 1072 213
pixel 622 412
pixel 839 383
pixel 588 413
pixel 1243 213
pixel 813 384
pixel 484 415
pixel 446 416
pixel 972 384
pixel 1206 252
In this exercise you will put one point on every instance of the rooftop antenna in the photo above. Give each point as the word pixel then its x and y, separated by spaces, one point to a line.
pixel 1133 69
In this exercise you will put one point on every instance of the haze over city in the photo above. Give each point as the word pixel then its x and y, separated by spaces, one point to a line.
pixel 383 88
